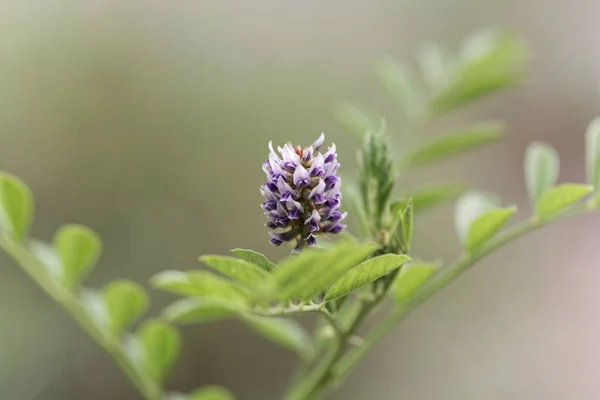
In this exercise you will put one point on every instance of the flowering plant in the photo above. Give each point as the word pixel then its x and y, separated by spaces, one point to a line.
pixel 341 281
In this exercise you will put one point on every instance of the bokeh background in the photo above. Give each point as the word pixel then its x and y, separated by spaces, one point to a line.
pixel 148 121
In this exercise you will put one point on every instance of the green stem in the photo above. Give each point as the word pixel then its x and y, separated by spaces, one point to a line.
pixel 38 273
pixel 440 281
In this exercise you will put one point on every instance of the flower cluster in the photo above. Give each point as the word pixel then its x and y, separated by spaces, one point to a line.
pixel 302 193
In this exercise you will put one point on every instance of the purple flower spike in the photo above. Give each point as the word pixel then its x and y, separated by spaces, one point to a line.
pixel 302 193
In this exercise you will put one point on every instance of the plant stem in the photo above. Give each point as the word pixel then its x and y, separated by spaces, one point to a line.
pixel 440 281
pixel 38 272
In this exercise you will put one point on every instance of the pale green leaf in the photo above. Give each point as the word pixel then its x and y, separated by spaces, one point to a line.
pixel 486 226
pixel 592 148
pixel 78 248
pixel 314 270
pixel 560 197
pixel 16 206
pixel 200 310
pixel 457 142
pixel 470 206
pixel 125 302
pixel 199 284
pixel 490 61
pixel 236 269
pixel 436 65
pixel 161 345
pixel 541 169
pixel 255 258
pixel 366 272
pixel 411 277
pixel 285 332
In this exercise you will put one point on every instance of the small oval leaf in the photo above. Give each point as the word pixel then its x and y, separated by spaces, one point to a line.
pixel 365 273
pixel 454 143
pixel 199 284
pixel 486 226
pixel 161 345
pixel 16 206
pixel 285 332
pixel 255 258
pixel 410 278
pixel 78 248
pixel 200 310
pixel 541 169
pixel 125 302
pixel 560 197
pixel 470 206
pixel 235 268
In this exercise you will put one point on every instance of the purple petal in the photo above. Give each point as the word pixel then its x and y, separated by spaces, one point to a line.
pixel 301 177
pixel 313 221
pixel 331 168
pixel 330 181
pixel 333 202
pixel 317 190
pixel 311 241
pixel 334 228
pixel 319 142
pixel 330 155
pixel 284 188
pixel 271 225
pixel 337 216
pixel 275 242
pixel 307 153
pixel 269 205
pixel 317 165
pixel 294 205
pixel 319 199
pixel 282 222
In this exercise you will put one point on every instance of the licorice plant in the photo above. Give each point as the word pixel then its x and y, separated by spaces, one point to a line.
pixel 339 277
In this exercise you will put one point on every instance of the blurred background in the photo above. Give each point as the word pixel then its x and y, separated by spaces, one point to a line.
pixel 148 121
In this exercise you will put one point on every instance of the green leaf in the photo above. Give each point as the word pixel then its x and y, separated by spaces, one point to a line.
pixel 490 61
pixel 285 332
pixel 541 169
pixel 468 208
pixel 236 269
pixel 403 213
pixel 161 345
pixel 355 207
pixel 78 248
pixel 125 302
pixel 16 206
pixel 454 143
pixel 199 284
pixel 592 148
pixel 429 197
pixel 200 310
pixel 560 197
pixel 411 278
pixel 486 226
pixel 366 272
pixel 255 258
pixel 356 120
pixel 314 270
pixel 210 393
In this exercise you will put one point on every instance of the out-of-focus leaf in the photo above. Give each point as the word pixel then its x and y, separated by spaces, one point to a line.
pixel 236 269
pixel 16 206
pixel 355 120
pixel 78 248
pixel 200 310
pixel 210 393
pixel 411 278
pixel 366 272
pixel 125 302
pixel 161 345
pixel 285 332
pixel 199 284
pixel 490 61
pixel 470 206
pixel 255 258
pixel 400 83
pixel 485 226
pixel 436 65
pixel 462 140
pixel 429 197
pixel 592 149
pixel 313 271
pixel 560 197
pixel 541 169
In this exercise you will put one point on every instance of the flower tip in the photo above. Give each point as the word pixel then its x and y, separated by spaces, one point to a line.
pixel 319 142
